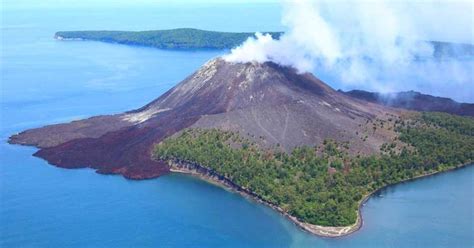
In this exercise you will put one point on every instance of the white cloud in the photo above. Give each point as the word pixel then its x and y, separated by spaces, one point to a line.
pixel 361 43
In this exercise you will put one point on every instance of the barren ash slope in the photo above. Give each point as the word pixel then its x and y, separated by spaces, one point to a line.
pixel 257 100
pixel 286 139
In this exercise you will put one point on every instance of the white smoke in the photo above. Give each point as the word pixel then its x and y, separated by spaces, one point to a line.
pixel 360 43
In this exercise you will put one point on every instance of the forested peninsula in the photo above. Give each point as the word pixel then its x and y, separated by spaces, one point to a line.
pixel 323 186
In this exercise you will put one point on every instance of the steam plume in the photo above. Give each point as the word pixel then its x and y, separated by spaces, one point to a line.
pixel 372 44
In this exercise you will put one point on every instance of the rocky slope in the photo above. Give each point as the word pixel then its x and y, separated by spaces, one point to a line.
pixel 273 105
pixel 415 101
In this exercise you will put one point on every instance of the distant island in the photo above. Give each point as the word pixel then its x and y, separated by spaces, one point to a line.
pixel 180 38
pixel 190 38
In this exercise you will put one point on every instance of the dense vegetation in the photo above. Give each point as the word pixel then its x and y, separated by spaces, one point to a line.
pixel 183 38
pixel 323 185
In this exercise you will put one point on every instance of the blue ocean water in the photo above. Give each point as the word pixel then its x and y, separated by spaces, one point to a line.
pixel 44 81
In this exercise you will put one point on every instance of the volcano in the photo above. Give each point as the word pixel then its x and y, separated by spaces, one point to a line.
pixel 270 104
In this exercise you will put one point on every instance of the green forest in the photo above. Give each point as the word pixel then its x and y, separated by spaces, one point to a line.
pixel 182 38
pixel 324 184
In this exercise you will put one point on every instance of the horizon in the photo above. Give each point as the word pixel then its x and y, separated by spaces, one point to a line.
pixel 448 28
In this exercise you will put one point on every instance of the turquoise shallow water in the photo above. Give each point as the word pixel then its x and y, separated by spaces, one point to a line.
pixel 45 81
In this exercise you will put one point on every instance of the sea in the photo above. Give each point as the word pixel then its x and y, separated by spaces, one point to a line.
pixel 45 81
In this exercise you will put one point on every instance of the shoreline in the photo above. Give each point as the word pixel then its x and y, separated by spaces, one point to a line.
pixel 209 175
pixel 206 174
